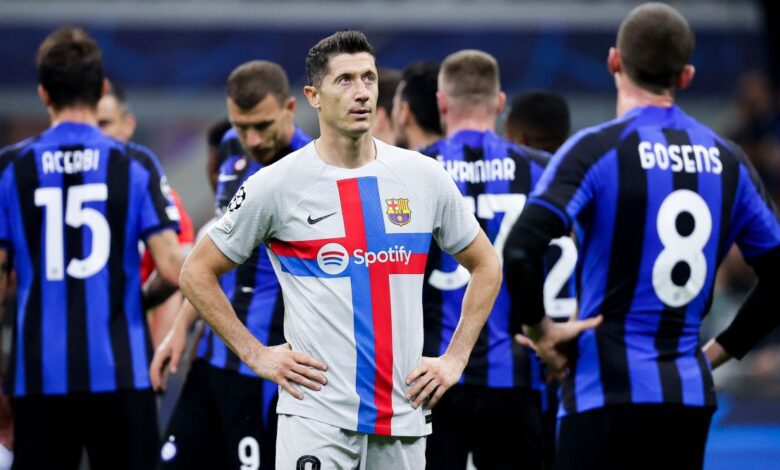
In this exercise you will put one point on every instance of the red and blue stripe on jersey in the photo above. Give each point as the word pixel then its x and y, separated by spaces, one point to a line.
pixel 364 226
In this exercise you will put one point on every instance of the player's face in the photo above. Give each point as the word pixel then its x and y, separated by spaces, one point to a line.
pixel 114 120
pixel 264 129
pixel 348 94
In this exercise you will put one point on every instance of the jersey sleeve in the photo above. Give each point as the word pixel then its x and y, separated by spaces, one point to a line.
pixel 249 218
pixel 756 220
pixel 565 186
pixel 157 209
pixel 5 222
pixel 455 226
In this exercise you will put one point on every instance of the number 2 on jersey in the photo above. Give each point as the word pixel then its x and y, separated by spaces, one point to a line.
pixel 76 215
pixel 486 207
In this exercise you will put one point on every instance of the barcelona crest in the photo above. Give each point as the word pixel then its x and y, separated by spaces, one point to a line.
pixel 398 211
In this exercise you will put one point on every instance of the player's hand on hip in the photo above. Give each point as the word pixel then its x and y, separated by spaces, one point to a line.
pixel 553 341
pixel 168 354
pixel 286 367
pixel 433 377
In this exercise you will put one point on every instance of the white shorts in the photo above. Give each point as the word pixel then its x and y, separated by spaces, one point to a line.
pixel 306 444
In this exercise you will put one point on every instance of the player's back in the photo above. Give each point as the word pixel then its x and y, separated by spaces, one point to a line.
pixel 660 198
pixel 75 203
pixel 495 177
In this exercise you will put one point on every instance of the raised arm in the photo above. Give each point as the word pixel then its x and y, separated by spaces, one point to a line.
pixel 435 375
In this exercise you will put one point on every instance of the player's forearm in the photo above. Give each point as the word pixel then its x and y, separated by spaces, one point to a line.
pixel 477 304
pixel 185 316
pixel 157 290
pixel 716 353
pixel 756 317
pixel 201 287
pixel 524 263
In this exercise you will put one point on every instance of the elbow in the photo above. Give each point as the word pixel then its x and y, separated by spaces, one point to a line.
pixel 516 258
pixel 186 277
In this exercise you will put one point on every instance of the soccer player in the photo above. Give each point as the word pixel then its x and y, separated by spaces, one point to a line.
pixel 656 200
pixel 115 120
pixel 493 411
pixel 382 128
pixel 415 112
pixel 224 402
pixel 74 204
pixel 538 119
pixel 348 222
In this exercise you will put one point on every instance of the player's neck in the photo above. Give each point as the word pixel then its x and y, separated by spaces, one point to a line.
pixel 79 114
pixel 467 123
pixel 630 96
pixel 345 151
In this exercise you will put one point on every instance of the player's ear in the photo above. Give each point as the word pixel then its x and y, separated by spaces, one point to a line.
pixel 290 104
pixel 44 95
pixel 441 102
pixel 686 77
pixel 614 61
pixel 501 102
pixel 104 88
pixel 312 96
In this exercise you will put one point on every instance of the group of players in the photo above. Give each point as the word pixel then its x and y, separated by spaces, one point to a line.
pixel 348 283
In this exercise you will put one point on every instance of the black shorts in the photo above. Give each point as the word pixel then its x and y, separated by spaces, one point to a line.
pixel 669 437
pixel 501 427
pixel 118 430
pixel 218 423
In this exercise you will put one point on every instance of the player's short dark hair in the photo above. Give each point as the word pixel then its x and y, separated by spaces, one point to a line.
pixel 217 131
pixel 70 68
pixel 420 82
pixel 543 115
pixel 655 44
pixel 117 91
pixel 388 82
pixel 340 42
pixel 250 83
pixel 470 74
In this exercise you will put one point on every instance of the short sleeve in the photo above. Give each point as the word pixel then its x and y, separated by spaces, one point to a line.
pixel 248 219
pixel 455 226
pixel 157 209
pixel 5 216
pixel 758 229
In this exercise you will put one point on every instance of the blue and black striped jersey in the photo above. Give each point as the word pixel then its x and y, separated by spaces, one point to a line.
pixel 656 199
pixel 495 176
pixel 252 287
pixel 73 206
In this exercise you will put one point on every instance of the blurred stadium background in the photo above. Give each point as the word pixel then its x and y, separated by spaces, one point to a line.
pixel 173 56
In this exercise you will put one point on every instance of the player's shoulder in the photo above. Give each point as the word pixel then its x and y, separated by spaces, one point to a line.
pixel 534 156
pixel 11 152
pixel 138 153
pixel 228 136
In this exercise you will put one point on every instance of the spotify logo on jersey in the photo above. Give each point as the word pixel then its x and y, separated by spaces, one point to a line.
pixel 333 258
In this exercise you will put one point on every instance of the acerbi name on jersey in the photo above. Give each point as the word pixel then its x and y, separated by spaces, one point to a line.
pixel 480 171
pixel 70 161
pixel 333 259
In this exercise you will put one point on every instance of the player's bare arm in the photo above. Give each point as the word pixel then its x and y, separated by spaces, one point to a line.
pixel 434 376
pixel 168 353
pixel 200 283
pixel 167 256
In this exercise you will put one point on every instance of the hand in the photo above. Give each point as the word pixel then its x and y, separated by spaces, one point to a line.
pixel 716 353
pixel 282 365
pixel 168 354
pixel 552 341
pixel 433 377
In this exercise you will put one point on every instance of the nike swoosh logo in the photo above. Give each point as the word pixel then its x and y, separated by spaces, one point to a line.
pixel 318 219
pixel 223 178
